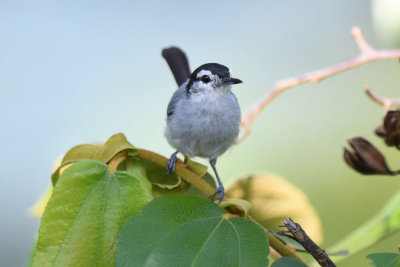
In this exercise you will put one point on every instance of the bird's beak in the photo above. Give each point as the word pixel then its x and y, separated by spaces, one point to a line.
pixel 232 81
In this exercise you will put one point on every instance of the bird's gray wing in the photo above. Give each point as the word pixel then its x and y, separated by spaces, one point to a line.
pixel 178 95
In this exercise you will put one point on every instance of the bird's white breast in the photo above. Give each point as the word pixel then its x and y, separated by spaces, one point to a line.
pixel 204 124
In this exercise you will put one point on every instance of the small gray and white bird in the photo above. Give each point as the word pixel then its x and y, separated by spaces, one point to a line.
pixel 203 115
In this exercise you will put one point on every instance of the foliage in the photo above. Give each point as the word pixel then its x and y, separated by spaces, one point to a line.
pixel 113 204
pixel 190 231
pixel 100 212
pixel 88 207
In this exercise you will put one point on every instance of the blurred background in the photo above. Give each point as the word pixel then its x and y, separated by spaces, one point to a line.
pixel 74 72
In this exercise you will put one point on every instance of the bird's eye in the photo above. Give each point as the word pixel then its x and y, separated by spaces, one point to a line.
pixel 205 79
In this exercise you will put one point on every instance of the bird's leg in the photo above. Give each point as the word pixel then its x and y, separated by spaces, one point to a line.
pixel 171 163
pixel 220 189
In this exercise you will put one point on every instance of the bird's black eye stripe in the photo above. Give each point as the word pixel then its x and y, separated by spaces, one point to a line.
pixel 205 79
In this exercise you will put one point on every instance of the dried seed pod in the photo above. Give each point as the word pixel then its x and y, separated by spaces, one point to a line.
pixel 391 124
pixel 365 158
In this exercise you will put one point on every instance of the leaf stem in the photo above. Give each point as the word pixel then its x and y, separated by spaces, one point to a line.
pixel 115 161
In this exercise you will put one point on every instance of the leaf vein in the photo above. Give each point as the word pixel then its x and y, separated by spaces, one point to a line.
pixel 238 239
pixel 73 222
pixel 102 218
pixel 208 239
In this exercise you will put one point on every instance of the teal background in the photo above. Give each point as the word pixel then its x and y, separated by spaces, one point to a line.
pixel 74 72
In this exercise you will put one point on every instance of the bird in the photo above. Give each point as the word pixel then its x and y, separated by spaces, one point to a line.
pixel 203 115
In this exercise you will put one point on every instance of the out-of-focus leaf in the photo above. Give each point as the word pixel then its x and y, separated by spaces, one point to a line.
pixel 190 231
pixel 273 199
pixel 84 215
pixel 382 225
pixel 114 145
pixel 385 259
pixel 288 262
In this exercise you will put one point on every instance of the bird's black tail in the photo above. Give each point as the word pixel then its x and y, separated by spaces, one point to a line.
pixel 178 63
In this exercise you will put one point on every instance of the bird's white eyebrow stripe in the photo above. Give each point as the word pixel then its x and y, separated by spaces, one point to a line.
pixel 204 72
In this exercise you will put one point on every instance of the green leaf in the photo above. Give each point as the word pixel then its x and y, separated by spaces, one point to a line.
pixel 193 190
pixel 385 259
pixel 138 169
pixel 186 230
pixel 288 262
pixel 80 152
pixel 114 145
pixel 157 175
pixel 382 225
pixel 84 215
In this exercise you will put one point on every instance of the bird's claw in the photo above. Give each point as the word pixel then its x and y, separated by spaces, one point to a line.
pixel 220 191
pixel 171 164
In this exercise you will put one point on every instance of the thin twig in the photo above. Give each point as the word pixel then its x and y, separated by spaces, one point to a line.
pixel 387 103
pixel 368 54
pixel 301 237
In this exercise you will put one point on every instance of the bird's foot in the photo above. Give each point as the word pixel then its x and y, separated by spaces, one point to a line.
pixel 171 164
pixel 218 194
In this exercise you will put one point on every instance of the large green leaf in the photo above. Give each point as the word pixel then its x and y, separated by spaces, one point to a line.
pixel 382 225
pixel 186 230
pixel 84 215
pixel 385 259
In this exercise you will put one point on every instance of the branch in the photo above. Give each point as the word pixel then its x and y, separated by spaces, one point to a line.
pixel 387 103
pixel 368 54
pixel 300 236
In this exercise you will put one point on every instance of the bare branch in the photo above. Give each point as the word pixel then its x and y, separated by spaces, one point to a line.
pixel 387 103
pixel 363 45
pixel 300 236
pixel 368 54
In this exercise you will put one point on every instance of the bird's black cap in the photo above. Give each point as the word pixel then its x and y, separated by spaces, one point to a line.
pixel 216 69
